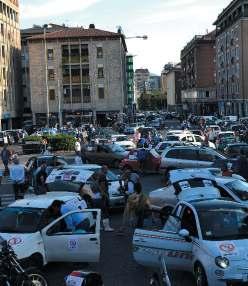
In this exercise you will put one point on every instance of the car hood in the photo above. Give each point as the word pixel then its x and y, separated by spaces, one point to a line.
pixel 232 249
pixel 23 244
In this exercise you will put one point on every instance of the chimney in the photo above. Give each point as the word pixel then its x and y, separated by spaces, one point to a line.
pixel 92 26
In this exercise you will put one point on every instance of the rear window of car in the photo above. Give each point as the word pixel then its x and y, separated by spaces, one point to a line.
pixel 174 154
pixel 188 154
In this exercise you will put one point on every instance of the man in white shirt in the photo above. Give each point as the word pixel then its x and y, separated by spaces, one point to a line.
pixel 17 175
pixel 78 146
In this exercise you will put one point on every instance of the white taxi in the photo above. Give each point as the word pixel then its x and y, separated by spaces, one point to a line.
pixel 37 242
pixel 207 238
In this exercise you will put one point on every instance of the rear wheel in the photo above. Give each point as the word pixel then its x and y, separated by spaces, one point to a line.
pixel 154 281
pixel 200 276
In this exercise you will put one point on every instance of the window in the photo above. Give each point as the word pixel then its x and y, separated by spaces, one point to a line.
pixel 4 73
pixel 67 94
pixel 174 154
pixel 101 92
pixel 84 54
pixel 188 222
pixel 3 51
pixel 51 74
pixel 205 156
pixel 78 223
pixel 75 54
pixel 75 74
pixel 86 94
pixel 65 54
pixel 50 54
pixel 188 154
pixel 51 94
pixel 66 74
pixel 99 52
pixel 76 94
pixel 100 72
pixel 2 29
pixel 85 74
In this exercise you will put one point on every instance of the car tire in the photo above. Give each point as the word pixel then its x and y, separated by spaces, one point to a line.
pixel 200 275
pixel 154 281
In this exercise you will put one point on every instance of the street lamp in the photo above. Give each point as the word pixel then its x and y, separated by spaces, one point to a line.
pixel 144 37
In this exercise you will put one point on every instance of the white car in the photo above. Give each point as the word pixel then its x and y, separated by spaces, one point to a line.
pixel 207 238
pixel 123 141
pixel 161 146
pixel 37 243
pixel 69 178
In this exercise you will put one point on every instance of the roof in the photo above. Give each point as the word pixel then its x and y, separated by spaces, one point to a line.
pixel 43 201
pixel 218 204
pixel 67 32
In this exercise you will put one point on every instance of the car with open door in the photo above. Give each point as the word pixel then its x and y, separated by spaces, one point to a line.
pixel 37 241
pixel 207 238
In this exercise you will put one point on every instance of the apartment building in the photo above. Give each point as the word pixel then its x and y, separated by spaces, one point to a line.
pixel 25 75
pixel 171 79
pixel 10 47
pixel 77 72
pixel 232 58
pixel 199 80
pixel 141 76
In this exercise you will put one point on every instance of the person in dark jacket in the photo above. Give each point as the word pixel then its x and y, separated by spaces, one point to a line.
pixel 5 156
pixel 241 166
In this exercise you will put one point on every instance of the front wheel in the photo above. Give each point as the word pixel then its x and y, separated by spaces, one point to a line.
pixel 200 276
pixel 34 278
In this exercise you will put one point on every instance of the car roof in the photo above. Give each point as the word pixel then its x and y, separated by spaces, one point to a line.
pixel 69 175
pixel 43 201
pixel 189 174
pixel 218 204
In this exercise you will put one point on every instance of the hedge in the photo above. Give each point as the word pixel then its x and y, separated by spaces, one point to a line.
pixel 57 142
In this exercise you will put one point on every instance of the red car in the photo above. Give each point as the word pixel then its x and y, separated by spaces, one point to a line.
pixel 151 165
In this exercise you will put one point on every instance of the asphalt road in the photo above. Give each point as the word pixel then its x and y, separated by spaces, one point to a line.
pixel 116 264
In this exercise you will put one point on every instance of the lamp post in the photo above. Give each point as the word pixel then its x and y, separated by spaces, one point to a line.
pixel 46 75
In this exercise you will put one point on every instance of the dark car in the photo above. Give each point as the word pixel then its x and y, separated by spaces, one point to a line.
pixel 106 154
pixel 234 150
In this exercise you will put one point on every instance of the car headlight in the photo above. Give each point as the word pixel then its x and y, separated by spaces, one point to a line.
pixel 222 262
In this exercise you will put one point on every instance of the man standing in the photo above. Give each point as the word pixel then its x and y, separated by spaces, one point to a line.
pixel 17 175
pixel 41 179
pixel 5 155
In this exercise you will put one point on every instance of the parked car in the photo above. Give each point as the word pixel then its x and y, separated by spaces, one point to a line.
pixel 165 144
pixel 189 157
pixel 117 199
pixel 123 141
pixel 38 242
pixel 3 138
pixel 151 165
pixel 106 154
pixel 233 150
pixel 207 238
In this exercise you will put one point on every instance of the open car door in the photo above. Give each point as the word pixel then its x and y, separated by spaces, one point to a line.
pixel 74 237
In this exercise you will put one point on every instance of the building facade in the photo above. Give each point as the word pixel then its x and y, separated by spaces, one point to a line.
pixel 10 51
pixel 232 59
pixel 171 79
pixel 141 76
pixel 199 80
pixel 130 82
pixel 25 81
pixel 77 72
pixel 153 84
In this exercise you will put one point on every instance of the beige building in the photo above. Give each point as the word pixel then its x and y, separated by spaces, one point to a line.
pixel 77 72
pixel 232 59
pixel 10 46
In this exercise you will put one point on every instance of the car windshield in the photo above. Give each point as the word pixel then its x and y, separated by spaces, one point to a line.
pixel 224 223
pixel 20 220
pixel 116 148
pixel 63 186
pixel 172 138
pixel 239 188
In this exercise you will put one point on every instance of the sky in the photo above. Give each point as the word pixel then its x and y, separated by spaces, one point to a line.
pixel 169 24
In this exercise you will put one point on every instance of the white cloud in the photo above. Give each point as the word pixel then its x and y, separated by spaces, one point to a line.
pixel 52 8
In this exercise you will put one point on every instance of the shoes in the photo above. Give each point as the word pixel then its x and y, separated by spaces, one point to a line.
pixel 106 225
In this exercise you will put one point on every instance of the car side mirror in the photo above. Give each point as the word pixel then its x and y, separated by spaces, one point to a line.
pixel 184 233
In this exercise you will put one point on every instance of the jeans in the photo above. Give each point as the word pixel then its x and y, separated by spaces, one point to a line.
pixel 18 190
